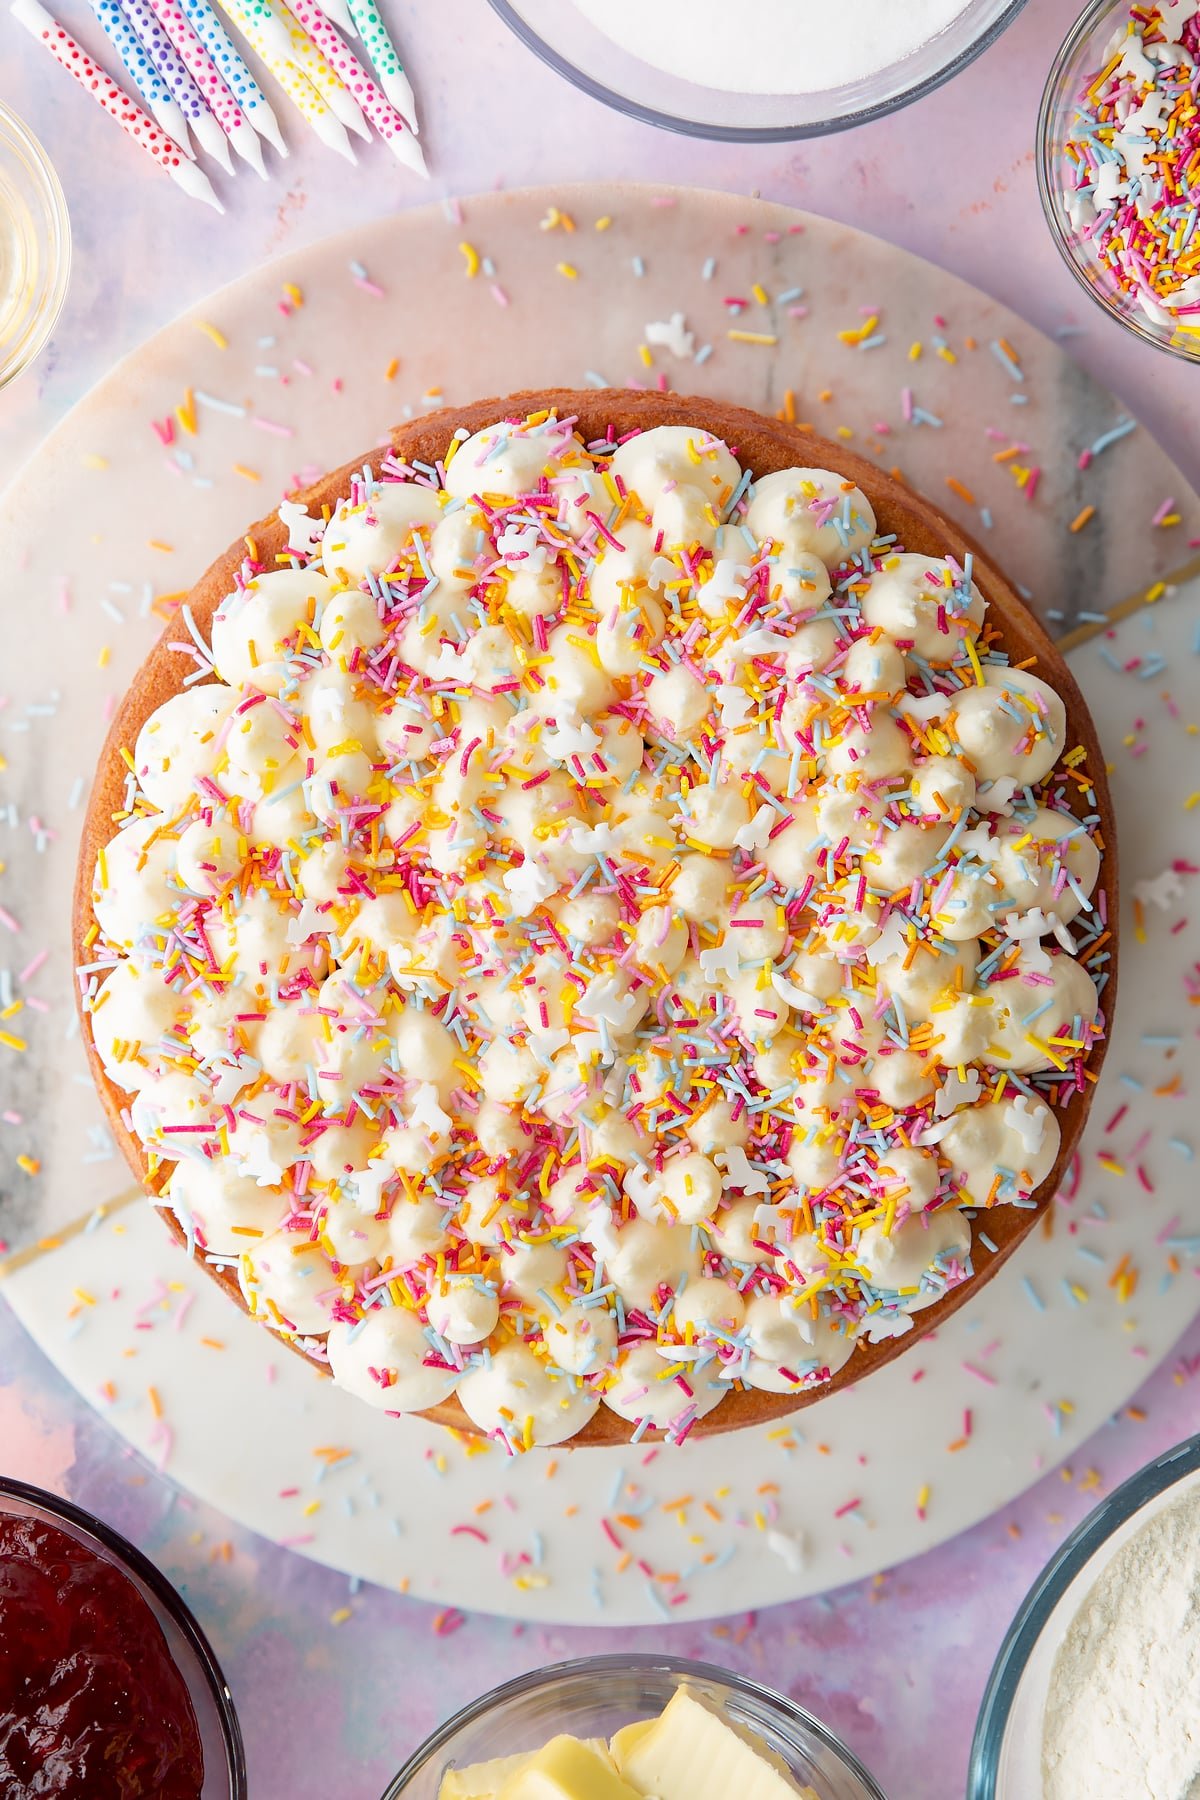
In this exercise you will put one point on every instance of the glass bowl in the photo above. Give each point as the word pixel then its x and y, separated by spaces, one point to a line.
pixel 1006 1753
pixel 561 35
pixel 220 1733
pixel 596 1695
pixel 1082 55
pixel 35 246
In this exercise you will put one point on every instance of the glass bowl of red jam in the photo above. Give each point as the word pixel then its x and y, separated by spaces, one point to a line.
pixel 109 1689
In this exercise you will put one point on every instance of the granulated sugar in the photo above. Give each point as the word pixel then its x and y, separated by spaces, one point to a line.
pixel 1122 1719
pixel 772 46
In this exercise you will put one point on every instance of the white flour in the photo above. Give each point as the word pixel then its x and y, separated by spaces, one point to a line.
pixel 1122 1719
pixel 771 46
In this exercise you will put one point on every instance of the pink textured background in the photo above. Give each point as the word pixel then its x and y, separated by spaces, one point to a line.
pixel 897 1665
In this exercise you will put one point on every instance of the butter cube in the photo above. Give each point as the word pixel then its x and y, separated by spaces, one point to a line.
pixel 568 1770
pixel 482 1781
pixel 690 1753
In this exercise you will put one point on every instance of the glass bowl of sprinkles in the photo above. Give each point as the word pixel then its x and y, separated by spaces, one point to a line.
pixel 35 247
pixel 698 66
pixel 1014 1720
pixel 1119 165
pixel 108 1661
pixel 598 1696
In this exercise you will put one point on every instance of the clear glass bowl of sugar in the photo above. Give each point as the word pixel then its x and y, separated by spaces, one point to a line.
pixel 1006 1756
pixel 705 68
pixel 35 246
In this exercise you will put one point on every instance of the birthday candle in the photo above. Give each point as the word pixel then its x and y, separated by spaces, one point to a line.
pixel 154 91
pixel 129 116
pixel 386 58
pixel 263 19
pixel 339 13
pixel 298 88
pixel 240 81
pixel 303 54
pixel 170 66
pixel 375 104
pixel 204 72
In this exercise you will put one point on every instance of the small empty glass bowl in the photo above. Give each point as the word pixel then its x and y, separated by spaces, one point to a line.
pixel 1082 56
pixel 561 35
pixel 35 246
pixel 190 1651
pixel 1006 1756
pixel 597 1695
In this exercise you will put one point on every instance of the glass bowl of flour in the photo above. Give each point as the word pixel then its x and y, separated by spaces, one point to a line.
pixel 1096 1692
pixel 759 70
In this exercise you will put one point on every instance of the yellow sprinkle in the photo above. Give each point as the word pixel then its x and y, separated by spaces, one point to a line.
pixel 914 352
pixel 12 1043
pixel 568 269
pixel 218 337
pixel 340 1616
pixel 752 337
pixel 1156 592
pixel 760 294
pixel 155 1402
pixel 93 460
pixel 389 374
pixel 245 473
pixel 644 353
pixel 293 293
pixel 1192 800
pixel 102 659
pixel 860 333
pixel 1169 519
pixel 947 354
pixel 186 413
pixel 157 544
pixel 472 259
pixel 29 1164
pixel 604 223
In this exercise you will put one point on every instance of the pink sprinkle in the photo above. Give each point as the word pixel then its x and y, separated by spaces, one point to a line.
pixel 270 426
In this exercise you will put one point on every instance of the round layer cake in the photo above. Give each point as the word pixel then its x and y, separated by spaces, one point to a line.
pixel 599 918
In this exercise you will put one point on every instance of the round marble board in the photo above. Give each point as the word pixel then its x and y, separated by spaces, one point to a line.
pixel 296 367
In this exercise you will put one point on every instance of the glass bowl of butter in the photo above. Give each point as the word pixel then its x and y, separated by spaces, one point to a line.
pixel 628 1727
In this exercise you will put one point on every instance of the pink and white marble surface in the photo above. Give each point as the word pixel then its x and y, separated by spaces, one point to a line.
pixel 897 1665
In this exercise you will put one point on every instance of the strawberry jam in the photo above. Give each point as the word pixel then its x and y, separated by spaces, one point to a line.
pixel 91 1705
